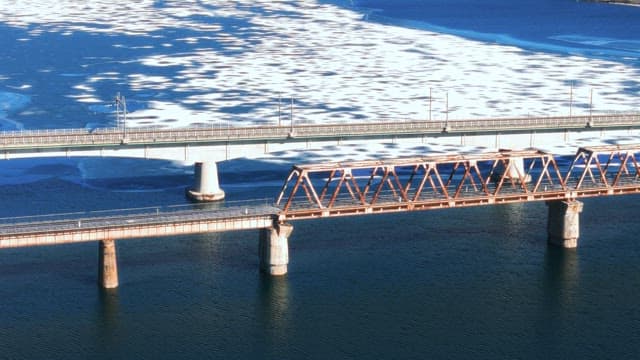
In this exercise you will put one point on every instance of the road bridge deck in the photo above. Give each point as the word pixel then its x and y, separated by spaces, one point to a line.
pixel 83 138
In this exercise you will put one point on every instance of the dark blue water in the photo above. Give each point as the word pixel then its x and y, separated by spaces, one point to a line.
pixel 449 284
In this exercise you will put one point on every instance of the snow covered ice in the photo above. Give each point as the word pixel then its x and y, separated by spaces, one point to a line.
pixel 238 56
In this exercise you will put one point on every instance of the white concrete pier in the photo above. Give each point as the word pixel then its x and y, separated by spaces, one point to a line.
pixel 274 249
pixel 108 264
pixel 563 225
pixel 516 170
pixel 206 186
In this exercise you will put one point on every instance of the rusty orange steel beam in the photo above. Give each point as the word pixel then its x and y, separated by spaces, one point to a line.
pixel 442 204
pixel 454 180
pixel 606 173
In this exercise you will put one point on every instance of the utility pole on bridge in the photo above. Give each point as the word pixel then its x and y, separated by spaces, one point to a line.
pixel 121 102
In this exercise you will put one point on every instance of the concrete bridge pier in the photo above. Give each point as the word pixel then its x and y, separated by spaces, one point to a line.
pixel 563 225
pixel 515 167
pixel 515 170
pixel 206 186
pixel 108 265
pixel 274 249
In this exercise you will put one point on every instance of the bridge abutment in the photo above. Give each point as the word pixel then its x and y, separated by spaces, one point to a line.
pixel 108 264
pixel 274 249
pixel 206 186
pixel 563 224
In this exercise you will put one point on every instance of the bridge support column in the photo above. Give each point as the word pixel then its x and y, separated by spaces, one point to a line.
pixel 563 225
pixel 108 265
pixel 274 249
pixel 516 164
pixel 516 170
pixel 206 186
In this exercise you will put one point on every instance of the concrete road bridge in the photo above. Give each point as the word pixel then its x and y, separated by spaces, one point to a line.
pixel 204 146
pixel 326 190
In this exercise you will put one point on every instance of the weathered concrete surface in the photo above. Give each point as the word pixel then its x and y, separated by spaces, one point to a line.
pixel 274 249
pixel 108 264
pixel 563 224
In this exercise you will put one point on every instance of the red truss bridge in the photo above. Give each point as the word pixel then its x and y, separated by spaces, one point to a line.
pixel 447 181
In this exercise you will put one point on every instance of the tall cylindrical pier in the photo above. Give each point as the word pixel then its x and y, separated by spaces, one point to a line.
pixel 108 264
pixel 206 186
pixel 515 170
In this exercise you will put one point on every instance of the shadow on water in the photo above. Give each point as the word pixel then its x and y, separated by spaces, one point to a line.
pixel 561 277
pixel 107 319
pixel 208 205
pixel 275 310
pixel 559 299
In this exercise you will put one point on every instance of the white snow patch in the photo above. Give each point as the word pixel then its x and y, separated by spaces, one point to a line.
pixel 240 56
pixel 336 65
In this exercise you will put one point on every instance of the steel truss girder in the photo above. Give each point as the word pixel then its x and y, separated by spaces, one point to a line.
pixel 439 181
pixel 411 181
pixel 607 167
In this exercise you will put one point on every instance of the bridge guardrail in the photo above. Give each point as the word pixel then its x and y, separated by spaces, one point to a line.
pixel 114 136
pixel 207 210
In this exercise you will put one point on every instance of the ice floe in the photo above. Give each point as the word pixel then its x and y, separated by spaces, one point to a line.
pixel 238 57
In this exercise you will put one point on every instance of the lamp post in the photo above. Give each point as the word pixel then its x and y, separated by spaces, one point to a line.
pixel 571 99
pixel 118 110
pixel 291 118
pixel 279 104
pixel 430 101
pixel 590 123
pixel 591 104
pixel 120 101
pixel 446 113
pixel 447 109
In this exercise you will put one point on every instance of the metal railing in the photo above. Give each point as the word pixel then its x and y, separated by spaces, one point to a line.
pixel 114 136
pixel 137 216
